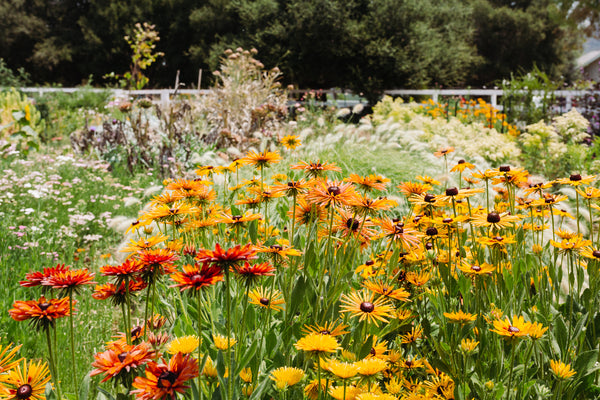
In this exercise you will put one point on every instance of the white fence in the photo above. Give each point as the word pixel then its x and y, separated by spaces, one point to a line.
pixel 339 97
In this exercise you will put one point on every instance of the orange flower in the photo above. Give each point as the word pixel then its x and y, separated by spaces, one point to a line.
pixel 261 160
pixel 368 183
pixel 122 272
pixel 109 291
pixel 157 262
pixel 227 258
pixel 410 188
pixel 70 280
pixel 197 276
pixel 444 151
pixel 362 305
pixel 331 193
pixel 398 231
pixel 36 278
pixel 249 273
pixel 164 380
pixel 314 169
pixel 41 312
pixel 121 357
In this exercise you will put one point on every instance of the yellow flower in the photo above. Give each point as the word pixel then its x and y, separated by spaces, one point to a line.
pixel 315 343
pixel 337 392
pixel 246 375
pixel 291 142
pixel 26 382
pixel 221 342
pixel 184 345
pixel 210 370
pixel 342 370
pixel 460 316
pixel 474 270
pixel 362 305
pixel 370 366
pixel 515 329
pixel 285 377
pixel 468 345
pixel 561 370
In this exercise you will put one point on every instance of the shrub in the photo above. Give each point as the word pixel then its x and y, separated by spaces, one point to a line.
pixel 20 121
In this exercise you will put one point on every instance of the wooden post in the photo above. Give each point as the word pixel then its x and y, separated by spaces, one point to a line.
pixel 199 79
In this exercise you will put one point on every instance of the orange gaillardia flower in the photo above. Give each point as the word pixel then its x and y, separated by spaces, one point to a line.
pixel 121 357
pixel 41 312
pixel 166 380
pixel 70 280
pixel 315 169
pixel 197 276
pixel 331 193
pixel 261 160
pixel 118 296
pixel 227 258
pixel 36 278
pixel 329 328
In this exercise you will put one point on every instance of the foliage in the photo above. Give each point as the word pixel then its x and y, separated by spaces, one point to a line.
pixel 10 78
pixel 247 102
pixel 528 98
pixel 20 121
pixel 146 135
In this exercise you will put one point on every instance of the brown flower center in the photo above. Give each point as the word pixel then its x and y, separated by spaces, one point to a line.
pixel 429 198
pixel 373 352
pixel 513 329
pixel 122 356
pixel 493 217
pixel 498 238
pixel 367 307
pixel 277 247
pixel 24 392
pixel 461 161
pixel 44 306
pixel 447 220
pixel 263 301
pixel 596 253
pixel 325 332
pixel 370 262
pixel 334 190
pixel 352 224
pixel 575 177
pixel 476 268
pixel 451 191
pixel 504 168
pixel 431 231
pixel 168 376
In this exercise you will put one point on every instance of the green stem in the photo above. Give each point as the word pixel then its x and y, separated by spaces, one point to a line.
pixel 53 370
pixel 512 366
pixel 199 347
pixel 228 323
pixel 72 334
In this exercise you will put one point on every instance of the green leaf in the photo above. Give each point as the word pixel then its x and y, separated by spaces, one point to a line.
pixel 366 348
pixel 560 333
pixel 18 115
pixel 50 394
pixel 297 295
pixel 253 230
pixel 585 363
pixel 84 389
pixel 104 395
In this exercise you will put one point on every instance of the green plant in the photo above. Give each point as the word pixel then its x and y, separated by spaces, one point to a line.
pixel 10 78
pixel 20 121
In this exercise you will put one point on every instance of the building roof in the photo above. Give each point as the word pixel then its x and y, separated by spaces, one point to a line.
pixel 588 58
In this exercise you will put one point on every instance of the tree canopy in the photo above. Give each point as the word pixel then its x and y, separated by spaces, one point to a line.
pixel 364 45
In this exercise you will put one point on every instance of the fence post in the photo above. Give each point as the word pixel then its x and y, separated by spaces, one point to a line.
pixel 164 97
pixel 568 103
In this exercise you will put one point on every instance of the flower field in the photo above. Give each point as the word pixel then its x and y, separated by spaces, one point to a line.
pixel 394 258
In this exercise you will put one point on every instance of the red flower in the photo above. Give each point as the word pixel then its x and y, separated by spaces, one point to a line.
pixel 35 278
pixel 109 291
pixel 197 276
pixel 163 380
pixel 42 312
pixel 157 262
pixel 127 269
pixel 69 280
pixel 119 357
pixel 229 257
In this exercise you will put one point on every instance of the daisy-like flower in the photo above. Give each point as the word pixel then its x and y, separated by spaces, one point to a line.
pixel 418 278
pixel 468 345
pixel 365 206
pixel 573 244
pixel 345 392
pixel 315 169
pixel 410 188
pixel 497 242
pixel 415 334
pixel 401 233
pixel 70 281
pixel 561 370
pixel 172 212
pixel 144 243
pixel 510 176
pixel 473 270
pixel 462 166
pixel 460 317
pixel 165 198
pixel 156 262
pixel 371 366
pixel 285 377
pixel 591 253
pixel 290 142
pixel 221 342
pixel 26 381
pixel 264 298
pixel 331 193
pixel 537 330
pixel 125 271
pixel 166 380
pixel 343 370
pixel 427 180
pixel 317 344
pixel 42 312
pixel 250 273
pixel 118 296
pixel 121 358
pixel 495 220
pixel 577 180
pixel 518 328
pixel 36 278
pixel 261 160
pixel 187 185
pixel 387 290
pixel 361 305
pixel 291 188
pixel 280 251
pixel 236 219
pixel 227 258
pixel 368 183
pixel 329 328
pixel 440 386
pixel 306 213
pixel 197 276
pixel 314 387
pixel 444 151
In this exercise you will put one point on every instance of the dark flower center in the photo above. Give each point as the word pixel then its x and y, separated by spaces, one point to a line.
pixel 408 363
pixel 122 356
pixel 431 231
pixel 399 228
pixel 290 184
pixel 136 331
pixel 352 224
pixel 334 190
pixel 575 177
pixel 416 219
pixel 451 191
pixel 504 168
pixel 373 352
pixel 548 201
pixel 196 278
pixel 447 220
pixel 370 262
pixel 429 198
pixel 236 217
pixel 513 329
pixel 325 332
pixel 476 268
pixel 461 161
pixel 168 376
pixel 596 253
pixel 428 245
pixel 277 247
pixel 44 306
pixel 401 276
pixel 24 392
pixel 493 217
pixel 498 238
pixel 263 301
pixel 395 220
pixel 367 307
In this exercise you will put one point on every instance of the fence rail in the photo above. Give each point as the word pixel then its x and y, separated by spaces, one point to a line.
pixel 338 96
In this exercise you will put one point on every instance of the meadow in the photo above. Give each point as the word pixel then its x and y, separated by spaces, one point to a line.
pixel 229 248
